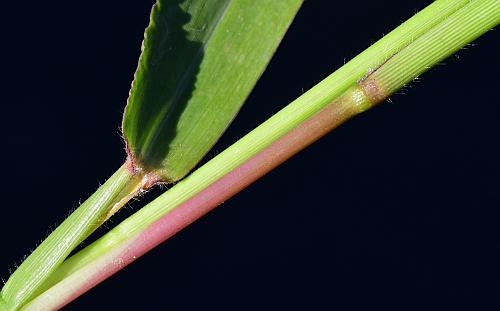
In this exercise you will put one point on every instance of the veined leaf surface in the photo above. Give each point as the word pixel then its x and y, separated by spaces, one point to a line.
pixel 200 60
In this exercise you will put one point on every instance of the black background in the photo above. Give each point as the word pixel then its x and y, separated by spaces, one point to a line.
pixel 396 210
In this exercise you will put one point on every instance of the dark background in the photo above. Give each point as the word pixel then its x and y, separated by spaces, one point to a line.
pixel 396 210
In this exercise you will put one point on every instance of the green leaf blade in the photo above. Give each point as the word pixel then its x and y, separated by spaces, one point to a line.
pixel 200 61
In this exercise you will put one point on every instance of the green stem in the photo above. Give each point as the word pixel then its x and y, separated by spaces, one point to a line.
pixel 295 113
pixel 26 281
pixel 360 84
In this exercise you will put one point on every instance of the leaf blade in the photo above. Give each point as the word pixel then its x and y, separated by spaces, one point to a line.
pixel 172 120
